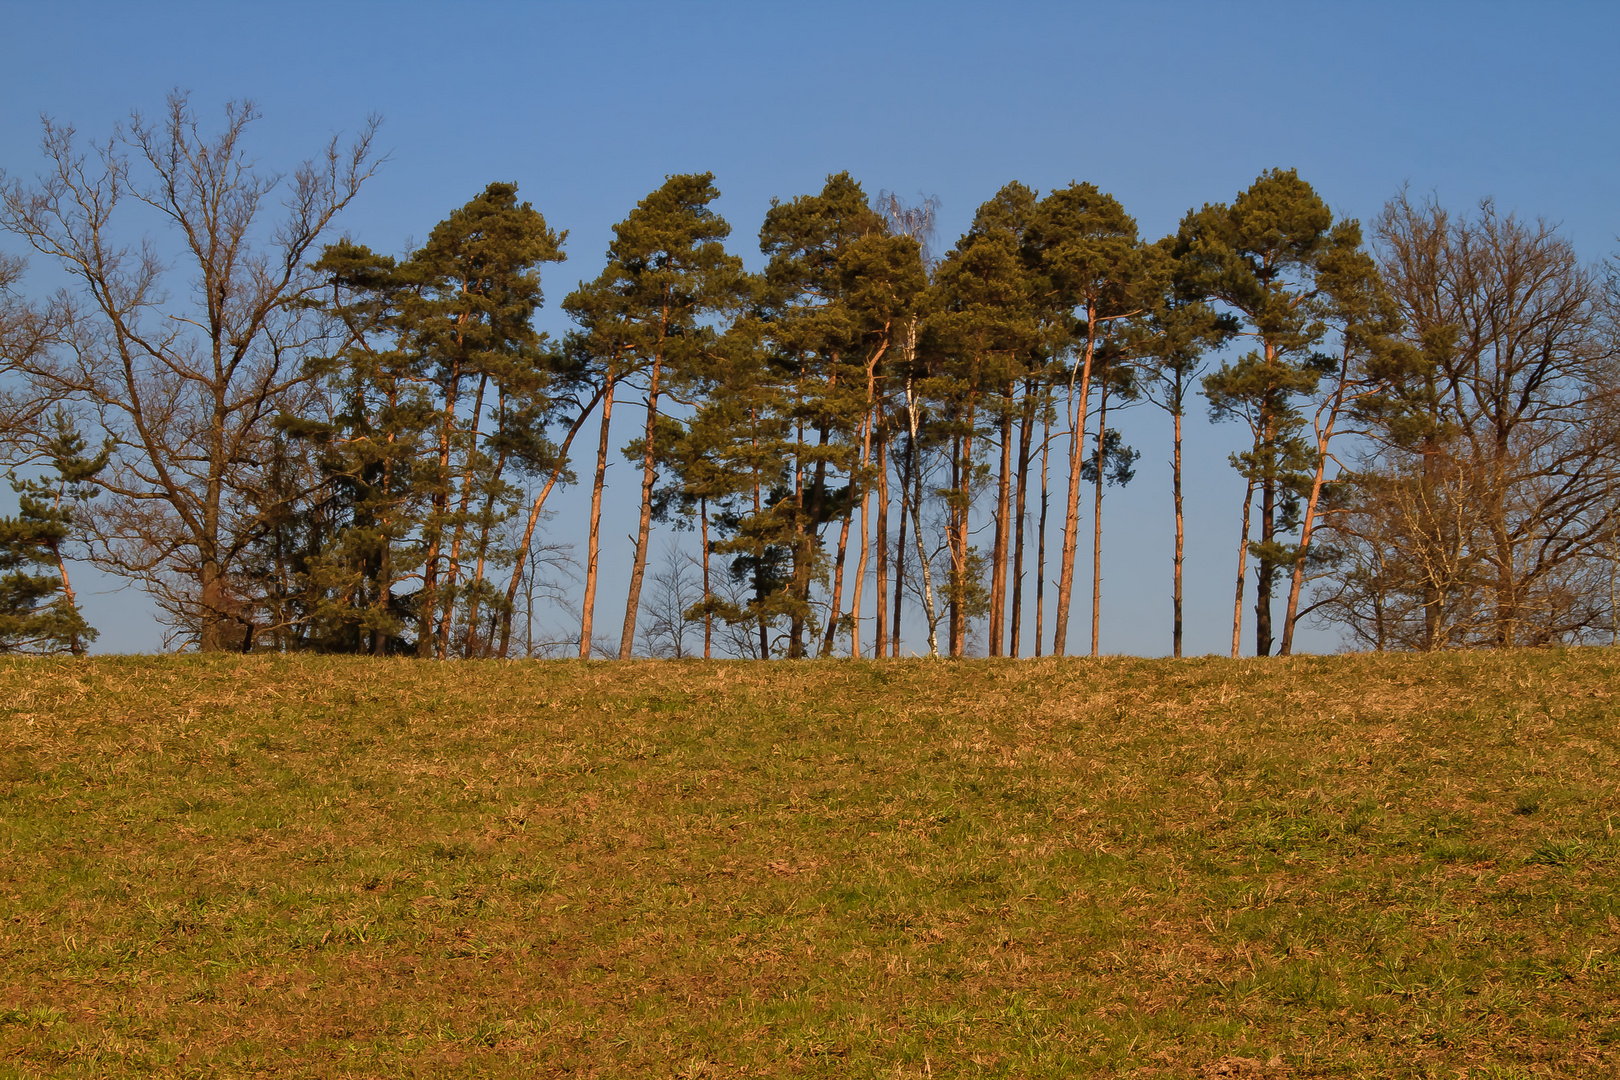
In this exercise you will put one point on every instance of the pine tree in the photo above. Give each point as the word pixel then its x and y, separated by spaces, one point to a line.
pixel 648 315
pixel 988 327
pixel 441 391
pixel 476 287
pixel 1175 335
pixel 1110 461
pixel 38 611
pixel 836 292
pixel 351 542
pixel 1095 269
pixel 1370 359
pixel 1259 258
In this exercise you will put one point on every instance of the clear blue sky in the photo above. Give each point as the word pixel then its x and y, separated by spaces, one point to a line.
pixel 588 106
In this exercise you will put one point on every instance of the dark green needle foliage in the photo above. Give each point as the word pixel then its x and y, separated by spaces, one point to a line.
pixel 38 611
pixel 648 320
pixel 441 391
pixel 1259 258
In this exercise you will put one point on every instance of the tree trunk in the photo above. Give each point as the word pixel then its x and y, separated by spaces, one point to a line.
pixel 708 595
pixel 385 572
pixel 801 558
pixel 534 518
pixel 953 625
pixel 210 635
pixel 1026 423
pixel 486 522
pixel 469 470
pixel 834 607
pixel 75 645
pixel 963 510
pixel 880 624
pixel 1243 566
pixel 913 410
pixel 1433 597
pixel 1175 487
pixel 900 543
pixel 759 593
pixel 1040 535
pixel 649 477
pixel 1071 515
pixel 594 544
pixel 1096 520
pixel 1265 573
pixel 428 600
pixel 1324 435
pixel 929 611
pixel 860 579
pixel 998 554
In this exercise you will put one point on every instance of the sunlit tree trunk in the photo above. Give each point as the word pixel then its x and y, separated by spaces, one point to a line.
pixel 534 518
pixel 998 555
pixel 1026 423
pixel 1071 515
pixel 593 545
pixel 649 477
pixel 1243 566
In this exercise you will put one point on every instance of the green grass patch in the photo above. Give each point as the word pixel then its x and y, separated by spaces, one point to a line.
pixel 1323 866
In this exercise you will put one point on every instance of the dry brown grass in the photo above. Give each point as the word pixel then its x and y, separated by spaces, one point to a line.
pixel 1348 866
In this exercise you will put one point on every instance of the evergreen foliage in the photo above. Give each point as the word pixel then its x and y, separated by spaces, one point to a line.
pixel 38 610
pixel 1431 456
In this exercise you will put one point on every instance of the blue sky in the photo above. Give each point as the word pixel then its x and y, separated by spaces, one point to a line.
pixel 588 106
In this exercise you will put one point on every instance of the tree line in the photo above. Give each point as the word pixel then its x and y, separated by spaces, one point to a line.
pixel 305 444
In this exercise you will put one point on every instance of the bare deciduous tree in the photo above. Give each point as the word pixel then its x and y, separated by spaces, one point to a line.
pixel 183 363
pixel 1516 399
pixel 676 589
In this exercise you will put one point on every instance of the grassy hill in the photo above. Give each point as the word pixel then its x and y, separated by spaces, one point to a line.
pixel 1324 866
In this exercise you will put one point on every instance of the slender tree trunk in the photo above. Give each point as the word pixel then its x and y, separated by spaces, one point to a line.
pixel 860 579
pixel 1026 423
pixel 708 595
pixel 835 606
pixel 1432 594
pixel 486 523
pixel 385 571
pixel 453 575
pixel 1040 535
pixel 1175 486
pixel 1243 566
pixel 1324 434
pixel 1614 584
pixel 998 554
pixel 913 409
pixel 1265 573
pixel 759 592
pixel 439 508
pixel 75 645
pixel 964 509
pixel 483 647
pixel 211 575
pixel 383 602
pixel 1506 615
pixel 1071 515
pixel 867 423
pixel 1096 520
pixel 649 477
pixel 904 471
pixel 594 544
pixel 927 573
pixel 953 627
pixel 880 624
pixel 534 518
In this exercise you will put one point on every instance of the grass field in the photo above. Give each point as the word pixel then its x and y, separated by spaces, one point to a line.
pixel 1335 866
